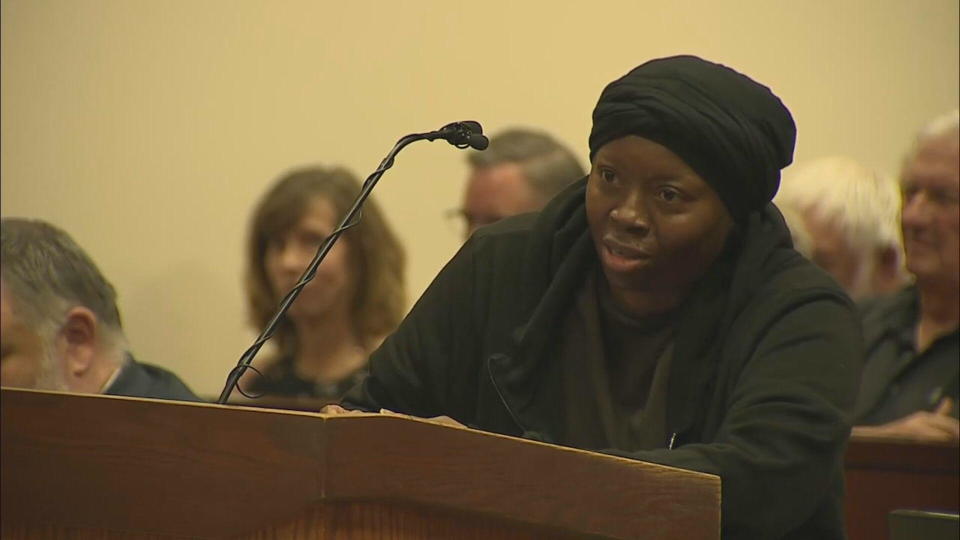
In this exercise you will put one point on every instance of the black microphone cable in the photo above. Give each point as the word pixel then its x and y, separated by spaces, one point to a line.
pixel 465 134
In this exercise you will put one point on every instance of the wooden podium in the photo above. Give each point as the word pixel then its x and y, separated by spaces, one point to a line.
pixel 884 475
pixel 80 466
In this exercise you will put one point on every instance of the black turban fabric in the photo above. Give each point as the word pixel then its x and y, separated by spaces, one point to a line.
pixel 733 131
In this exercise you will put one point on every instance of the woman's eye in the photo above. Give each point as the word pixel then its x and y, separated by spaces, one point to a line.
pixel 312 240
pixel 669 194
pixel 276 245
pixel 607 175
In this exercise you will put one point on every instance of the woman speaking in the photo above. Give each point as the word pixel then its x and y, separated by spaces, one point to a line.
pixel 655 310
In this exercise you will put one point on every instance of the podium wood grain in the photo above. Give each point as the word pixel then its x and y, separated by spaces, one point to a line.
pixel 883 475
pixel 78 466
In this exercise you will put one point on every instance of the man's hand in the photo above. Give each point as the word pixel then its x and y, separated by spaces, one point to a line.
pixel 920 426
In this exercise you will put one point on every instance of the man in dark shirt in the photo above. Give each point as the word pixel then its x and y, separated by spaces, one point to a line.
pixel 910 381
pixel 60 324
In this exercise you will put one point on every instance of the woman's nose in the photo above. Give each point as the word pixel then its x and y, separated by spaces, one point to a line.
pixel 630 212
pixel 291 258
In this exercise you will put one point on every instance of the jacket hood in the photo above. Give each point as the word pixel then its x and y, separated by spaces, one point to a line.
pixel 560 252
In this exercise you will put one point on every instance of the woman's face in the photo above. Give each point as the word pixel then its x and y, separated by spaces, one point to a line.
pixel 288 254
pixel 656 224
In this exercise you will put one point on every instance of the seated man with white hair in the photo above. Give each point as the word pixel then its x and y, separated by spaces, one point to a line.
pixel 910 383
pixel 845 218
pixel 59 324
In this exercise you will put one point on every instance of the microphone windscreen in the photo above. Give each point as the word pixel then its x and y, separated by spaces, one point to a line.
pixel 478 142
pixel 473 126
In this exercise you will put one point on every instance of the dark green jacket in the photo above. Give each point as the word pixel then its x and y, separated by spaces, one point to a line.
pixel 767 354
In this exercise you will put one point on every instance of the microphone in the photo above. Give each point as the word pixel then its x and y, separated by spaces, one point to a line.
pixel 464 134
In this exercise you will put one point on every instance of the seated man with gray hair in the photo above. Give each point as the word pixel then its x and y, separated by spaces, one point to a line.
pixel 911 378
pixel 845 218
pixel 59 324
pixel 519 172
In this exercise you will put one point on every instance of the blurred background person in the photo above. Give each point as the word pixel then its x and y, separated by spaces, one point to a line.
pixel 845 218
pixel 802 242
pixel 910 381
pixel 519 172
pixel 356 298
pixel 59 323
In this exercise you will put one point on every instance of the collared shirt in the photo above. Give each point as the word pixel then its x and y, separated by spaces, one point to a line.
pixel 113 376
pixel 135 379
pixel 897 381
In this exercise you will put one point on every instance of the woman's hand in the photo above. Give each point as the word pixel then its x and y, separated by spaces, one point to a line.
pixel 442 420
pixel 335 409
pixel 340 411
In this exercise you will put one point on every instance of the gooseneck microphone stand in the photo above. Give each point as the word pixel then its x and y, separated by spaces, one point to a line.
pixel 466 134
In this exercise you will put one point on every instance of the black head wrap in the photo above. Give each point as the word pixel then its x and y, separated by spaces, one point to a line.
pixel 734 132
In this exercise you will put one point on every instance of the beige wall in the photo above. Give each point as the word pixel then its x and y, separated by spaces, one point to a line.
pixel 148 129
